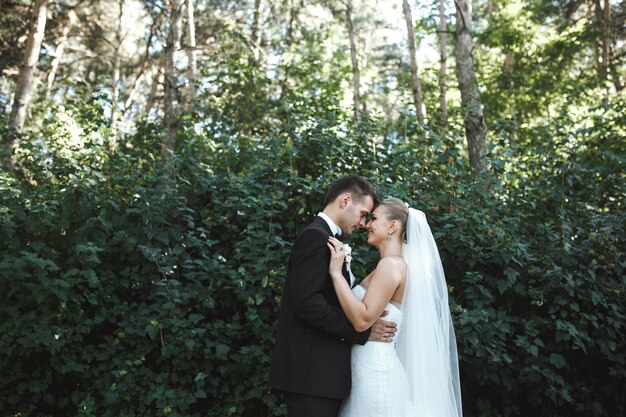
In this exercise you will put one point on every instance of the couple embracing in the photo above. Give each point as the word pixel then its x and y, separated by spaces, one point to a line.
pixel 382 348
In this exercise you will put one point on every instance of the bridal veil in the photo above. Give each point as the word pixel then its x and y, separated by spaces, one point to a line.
pixel 426 344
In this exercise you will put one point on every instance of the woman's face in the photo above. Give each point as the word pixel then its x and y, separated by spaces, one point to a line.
pixel 377 227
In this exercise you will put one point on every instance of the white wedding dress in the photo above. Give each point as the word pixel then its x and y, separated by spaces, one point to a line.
pixel 379 382
pixel 418 374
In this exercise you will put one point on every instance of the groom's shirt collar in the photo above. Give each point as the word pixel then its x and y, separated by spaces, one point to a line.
pixel 336 230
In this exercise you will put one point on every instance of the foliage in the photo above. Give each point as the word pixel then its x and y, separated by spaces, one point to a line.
pixel 135 290
pixel 132 291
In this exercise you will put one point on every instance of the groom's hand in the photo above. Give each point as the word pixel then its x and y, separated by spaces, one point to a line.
pixel 382 330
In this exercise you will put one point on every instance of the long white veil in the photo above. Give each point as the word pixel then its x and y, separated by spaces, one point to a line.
pixel 426 344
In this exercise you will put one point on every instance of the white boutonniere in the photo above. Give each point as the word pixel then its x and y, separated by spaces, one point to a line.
pixel 348 250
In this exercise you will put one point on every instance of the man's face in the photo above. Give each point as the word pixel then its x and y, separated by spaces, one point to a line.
pixel 355 214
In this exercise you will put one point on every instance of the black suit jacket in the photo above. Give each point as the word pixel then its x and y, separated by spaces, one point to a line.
pixel 314 338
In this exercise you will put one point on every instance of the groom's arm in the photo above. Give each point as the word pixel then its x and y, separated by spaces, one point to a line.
pixel 309 277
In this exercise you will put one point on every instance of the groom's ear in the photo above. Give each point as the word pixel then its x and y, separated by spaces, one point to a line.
pixel 344 199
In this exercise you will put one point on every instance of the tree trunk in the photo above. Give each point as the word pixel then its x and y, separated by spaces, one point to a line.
pixel 117 61
pixel 416 88
pixel 443 57
pixel 592 16
pixel 256 29
pixel 31 56
pixel 607 46
pixel 606 35
pixel 601 44
pixel 507 68
pixel 23 89
pixel 475 127
pixel 170 101
pixel 58 51
pixel 191 55
pixel 154 89
pixel 617 81
pixel 293 13
pixel 355 65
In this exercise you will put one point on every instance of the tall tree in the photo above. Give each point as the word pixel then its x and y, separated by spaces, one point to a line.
pixel 603 35
pixel 117 62
pixel 171 114
pixel 60 48
pixel 474 121
pixel 293 11
pixel 190 47
pixel 416 88
pixel 256 29
pixel 356 76
pixel 31 56
pixel 608 62
pixel 603 22
pixel 157 81
pixel 443 69
pixel 23 90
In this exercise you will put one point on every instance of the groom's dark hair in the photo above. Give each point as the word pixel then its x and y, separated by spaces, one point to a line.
pixel 357 186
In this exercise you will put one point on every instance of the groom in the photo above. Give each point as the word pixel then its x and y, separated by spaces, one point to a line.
pixel 311 359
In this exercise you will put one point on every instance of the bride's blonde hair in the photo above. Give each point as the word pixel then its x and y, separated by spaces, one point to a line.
pixel 396 209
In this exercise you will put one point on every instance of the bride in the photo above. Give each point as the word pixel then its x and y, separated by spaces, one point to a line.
pixel 419 376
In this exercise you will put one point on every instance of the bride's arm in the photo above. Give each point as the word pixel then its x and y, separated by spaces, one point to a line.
pixel 384 281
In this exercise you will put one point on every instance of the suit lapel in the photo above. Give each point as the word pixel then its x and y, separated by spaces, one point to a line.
pixel 344 269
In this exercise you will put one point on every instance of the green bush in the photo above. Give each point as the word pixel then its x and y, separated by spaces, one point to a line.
pixel 131 291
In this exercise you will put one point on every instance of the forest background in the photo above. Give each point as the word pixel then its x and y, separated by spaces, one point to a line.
pixel 159 157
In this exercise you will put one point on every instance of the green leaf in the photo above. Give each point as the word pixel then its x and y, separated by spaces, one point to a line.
pixel 151 330
pixel 200 393
pixel 502 286
pixel 557 360
pixel 511 274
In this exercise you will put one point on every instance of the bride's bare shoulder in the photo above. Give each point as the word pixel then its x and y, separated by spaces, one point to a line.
pixel 393 266
pixel 392 262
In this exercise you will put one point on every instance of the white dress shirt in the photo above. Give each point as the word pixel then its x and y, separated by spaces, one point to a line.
pixel 336 230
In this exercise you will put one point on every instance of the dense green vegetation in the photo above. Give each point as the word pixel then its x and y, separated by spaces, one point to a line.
pixel 129 290
pixel 134 286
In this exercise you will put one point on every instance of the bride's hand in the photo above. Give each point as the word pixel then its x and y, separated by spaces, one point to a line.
pixel 337 257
